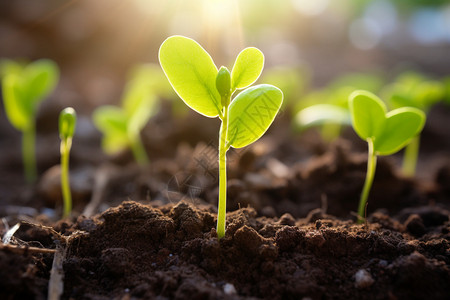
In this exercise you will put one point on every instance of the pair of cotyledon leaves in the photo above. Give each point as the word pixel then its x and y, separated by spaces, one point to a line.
pixel 24 87
pixel 122 125
pixel 389 131
pixel 192 73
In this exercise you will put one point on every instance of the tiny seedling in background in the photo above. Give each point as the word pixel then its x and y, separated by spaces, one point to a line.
pixel 121 126
pixel 195 78
pixel 414 90
pixel 385 132
pixel 328 107
pixel 67 124
pixel 24 88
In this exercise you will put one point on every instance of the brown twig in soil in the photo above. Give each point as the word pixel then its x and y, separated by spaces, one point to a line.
pixel 55 234
pixel 26 249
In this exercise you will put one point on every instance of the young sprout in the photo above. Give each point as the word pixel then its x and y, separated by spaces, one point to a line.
pixel 67 124
pixel 195 78
pixel 121 126
pixel 328 107
pixel 385 132
pixel 24 88
pixel 415 90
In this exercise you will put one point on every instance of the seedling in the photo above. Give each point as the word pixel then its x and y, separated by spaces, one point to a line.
pixel 385 132
pixel 413 89
pixel 24 88
pixel 328 107
pixel 121 126
pixel 67 124
pixel 195 78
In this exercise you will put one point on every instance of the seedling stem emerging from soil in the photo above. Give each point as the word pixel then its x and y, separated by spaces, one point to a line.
pixel 67 124
pixel 195 78
pixel 24 88
pixel 385 132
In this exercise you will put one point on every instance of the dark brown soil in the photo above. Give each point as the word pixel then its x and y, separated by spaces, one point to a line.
pixel 136 251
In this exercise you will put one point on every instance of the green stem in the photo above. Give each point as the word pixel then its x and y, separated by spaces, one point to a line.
pixel 223 148
pixel 410 157
pixel 139 151
pixel 65 180
pixel 28 154
pixel 371 166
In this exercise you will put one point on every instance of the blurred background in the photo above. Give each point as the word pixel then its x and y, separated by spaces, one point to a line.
pixel 96 43
pixel 317 52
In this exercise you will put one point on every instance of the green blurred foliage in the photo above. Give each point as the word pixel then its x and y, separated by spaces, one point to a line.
pixel 414 89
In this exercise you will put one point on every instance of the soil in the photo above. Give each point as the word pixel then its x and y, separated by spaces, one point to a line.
pixel 291 227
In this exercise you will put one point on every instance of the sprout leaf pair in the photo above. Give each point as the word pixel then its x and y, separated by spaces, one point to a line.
pixel 24 88
pixel 385 132
pixel 194 77
pixel 121 126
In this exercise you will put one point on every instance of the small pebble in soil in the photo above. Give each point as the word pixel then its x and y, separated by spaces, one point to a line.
pixel 229 289
pixel 363 279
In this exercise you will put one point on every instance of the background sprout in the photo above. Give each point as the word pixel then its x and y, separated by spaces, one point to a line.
pixel 121 126
pixel 415 90
pixel 24 88
pixel 385 132
pixel 328 107
pixel 195 78
pixel 67 125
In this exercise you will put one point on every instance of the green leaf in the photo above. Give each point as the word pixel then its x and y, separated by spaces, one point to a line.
pixel 247 68
pixel 251 113
pixel 24 88
pixel 320 114
pixel 192 74
pixel 112 122
pixel 40 79
pixel 368 114
pixel 17 115
pixel 139 104
pixel 400 127
pixel 428 93
pixel 114 143
pixel 110 118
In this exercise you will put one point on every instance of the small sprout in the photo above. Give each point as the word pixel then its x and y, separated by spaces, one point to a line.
pixel 195 78
pixel 385 132
pixel 24 88
pixel 67 124
pixel 414 90
pixel 121 126
pixel 328 107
